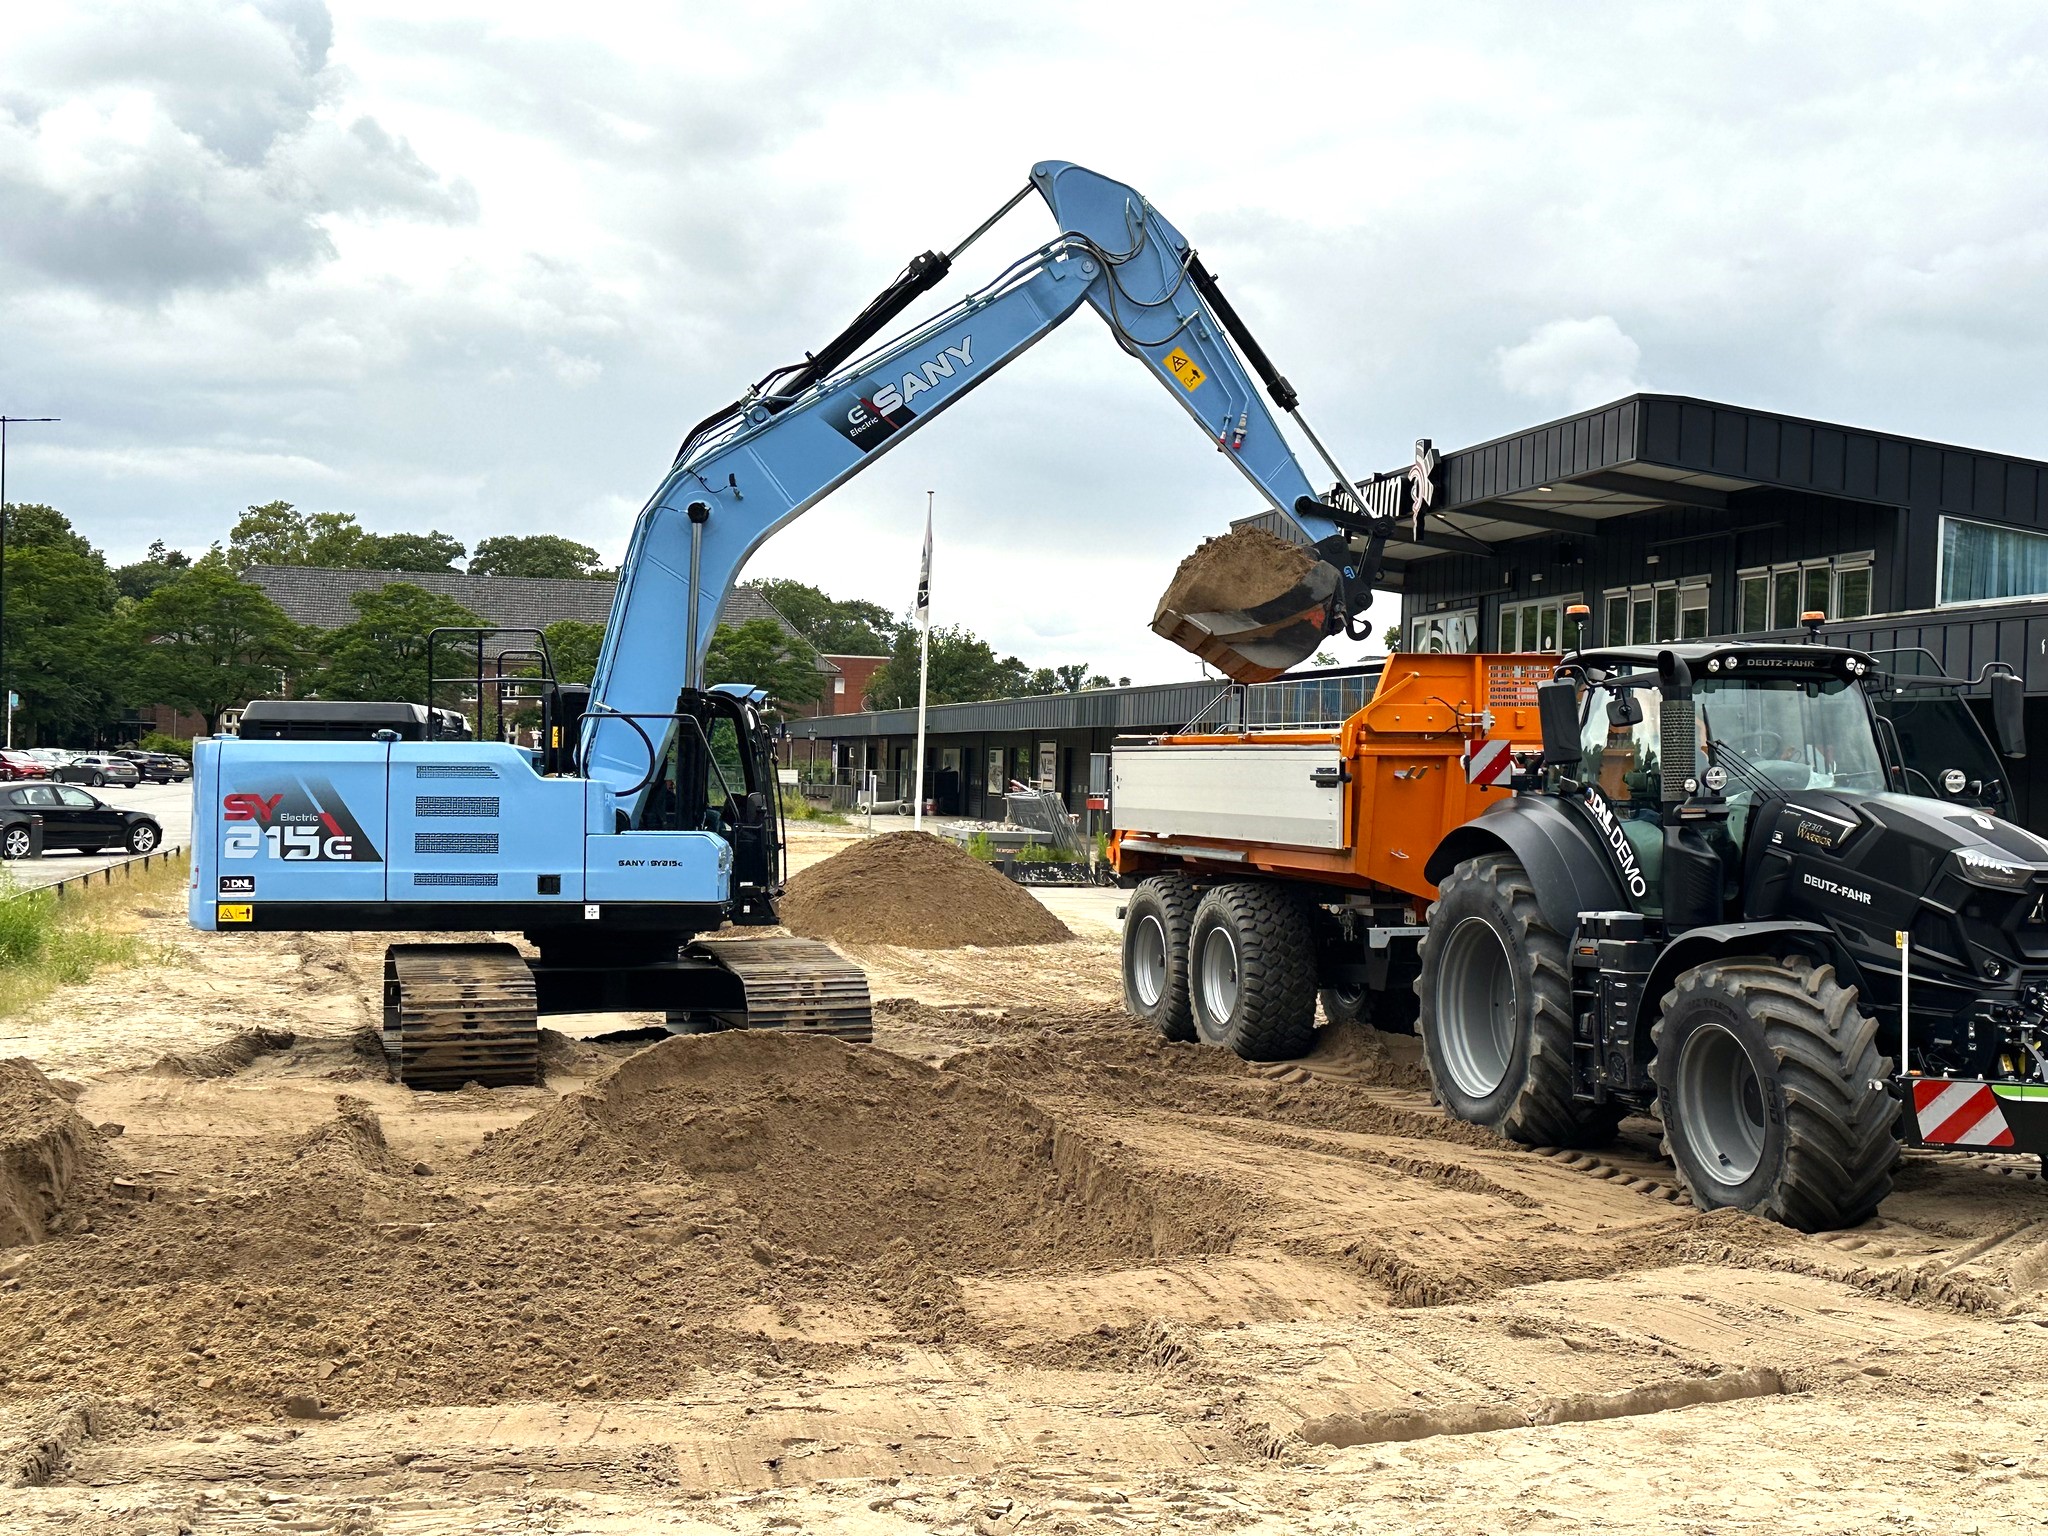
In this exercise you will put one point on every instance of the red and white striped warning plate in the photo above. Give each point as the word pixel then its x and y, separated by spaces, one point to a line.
pixel 1488 762
pixel 1959 1114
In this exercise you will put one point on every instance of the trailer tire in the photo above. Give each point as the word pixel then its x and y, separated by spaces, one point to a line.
pixel 1764 1071
pixel 1252 971
pixel 1496 1011
pixel 1157 923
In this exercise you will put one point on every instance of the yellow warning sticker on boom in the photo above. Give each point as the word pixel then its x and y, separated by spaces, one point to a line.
pixel 1185 369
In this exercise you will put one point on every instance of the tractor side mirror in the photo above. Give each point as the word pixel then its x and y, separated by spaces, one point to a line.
pixel 2008 713
pixel 1624 709
pixel 1557 710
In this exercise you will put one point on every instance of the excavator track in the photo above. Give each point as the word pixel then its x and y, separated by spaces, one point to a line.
pixel 798 985
pixel 460 1013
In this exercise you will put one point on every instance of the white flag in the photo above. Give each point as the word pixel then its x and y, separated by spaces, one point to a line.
pixel 924 574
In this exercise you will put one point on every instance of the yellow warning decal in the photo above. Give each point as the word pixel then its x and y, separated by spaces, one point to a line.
pixel 234 912
pixel 1185 369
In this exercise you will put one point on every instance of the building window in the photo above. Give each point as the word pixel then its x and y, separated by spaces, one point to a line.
pixel 1773 597
pixel 1981 563
pixel 1645 615
pixel 1435 633
pixel 1535 626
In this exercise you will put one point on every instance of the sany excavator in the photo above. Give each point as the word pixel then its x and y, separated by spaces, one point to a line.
pixel 648 816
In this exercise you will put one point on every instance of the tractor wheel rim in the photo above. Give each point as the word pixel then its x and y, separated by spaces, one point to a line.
pixel 1477 1008
pixel 1148 961
pixel 1720 1105
pixel 1219 978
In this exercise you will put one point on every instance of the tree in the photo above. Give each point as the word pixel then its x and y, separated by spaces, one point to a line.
pixel 760 652
pixel 848 627
pixel 963 670
pixel 540 554
pixel 573 646
pixel 137 581
pixel 382 653
pixel 278 533
pixel 435 551
pixel 208 640
pixel 30 524
pixel 1393 638
pixel 59 654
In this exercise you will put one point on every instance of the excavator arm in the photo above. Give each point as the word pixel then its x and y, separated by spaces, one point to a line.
pixel 803 431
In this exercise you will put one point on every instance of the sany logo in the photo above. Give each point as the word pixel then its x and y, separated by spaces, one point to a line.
pixel 890 398
pixel 247 807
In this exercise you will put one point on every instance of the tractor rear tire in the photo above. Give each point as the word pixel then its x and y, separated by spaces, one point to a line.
pixel 1157 923
pixel 1252 971
pixel 1764 1071
pixel 1496 1017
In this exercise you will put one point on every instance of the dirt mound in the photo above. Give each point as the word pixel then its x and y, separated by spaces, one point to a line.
pixel 840 1151
pixel 1241 569
pixel 354 1136
pixel 226 1058
pixel 44 1147
pixel 913 889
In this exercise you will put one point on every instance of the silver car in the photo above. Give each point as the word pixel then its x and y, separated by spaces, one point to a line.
pixel 98 769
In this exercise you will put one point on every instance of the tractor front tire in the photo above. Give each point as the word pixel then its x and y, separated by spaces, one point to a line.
pixel 1765 1071
pixel 1252 970
pixel 1496 1016
pixel 1157 923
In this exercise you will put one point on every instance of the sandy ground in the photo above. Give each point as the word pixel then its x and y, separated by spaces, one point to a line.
pixel 1017 1267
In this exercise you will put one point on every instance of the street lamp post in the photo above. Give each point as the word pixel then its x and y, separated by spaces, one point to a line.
pixel 7 692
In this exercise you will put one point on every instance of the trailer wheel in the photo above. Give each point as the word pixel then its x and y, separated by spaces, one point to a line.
pixel 1764 1071
pixel 1157 922
pixel 1496 1011
pixel 1252 963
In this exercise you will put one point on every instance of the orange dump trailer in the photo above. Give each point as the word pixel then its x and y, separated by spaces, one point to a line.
pixel 1311 832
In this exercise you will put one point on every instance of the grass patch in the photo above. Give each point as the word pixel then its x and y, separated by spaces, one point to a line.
pixel 48 942
pixel 796 808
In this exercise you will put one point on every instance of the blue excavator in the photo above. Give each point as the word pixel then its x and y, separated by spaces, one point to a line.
pixel 647 819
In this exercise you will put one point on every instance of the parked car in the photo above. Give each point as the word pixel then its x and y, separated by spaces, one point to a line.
pixel 19 765
pixel 99 769
pixel 158 767
pixel 73 819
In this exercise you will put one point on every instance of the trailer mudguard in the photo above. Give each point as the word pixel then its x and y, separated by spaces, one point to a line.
pixel 1775 937
pixel 1570 872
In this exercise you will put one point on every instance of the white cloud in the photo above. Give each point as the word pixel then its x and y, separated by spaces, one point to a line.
pixel 1571 364
pixel 477 266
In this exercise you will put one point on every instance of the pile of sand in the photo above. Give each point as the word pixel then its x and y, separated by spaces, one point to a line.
pixel 855 1154
pixel 1240 570
pixel 44 1146
pixel 913 889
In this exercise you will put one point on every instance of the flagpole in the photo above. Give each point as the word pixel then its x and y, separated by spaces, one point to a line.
pixel 924 659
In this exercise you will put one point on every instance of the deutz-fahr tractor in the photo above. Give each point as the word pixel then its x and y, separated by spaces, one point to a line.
pixel 1766 889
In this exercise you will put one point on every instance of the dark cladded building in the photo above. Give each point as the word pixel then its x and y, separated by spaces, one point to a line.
pixel 1672 519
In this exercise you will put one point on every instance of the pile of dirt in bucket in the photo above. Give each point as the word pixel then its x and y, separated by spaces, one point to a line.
pixel 44 1147
pixel 913 889
pixel 859 1155
pixel 1238 570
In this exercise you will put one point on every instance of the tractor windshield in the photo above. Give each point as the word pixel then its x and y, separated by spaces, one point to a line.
pixel 1800 733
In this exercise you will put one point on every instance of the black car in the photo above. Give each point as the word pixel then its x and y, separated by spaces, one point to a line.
pixel 158 767
pixel 74 819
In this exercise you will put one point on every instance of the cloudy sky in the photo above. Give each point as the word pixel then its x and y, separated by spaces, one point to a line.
pixel 477 268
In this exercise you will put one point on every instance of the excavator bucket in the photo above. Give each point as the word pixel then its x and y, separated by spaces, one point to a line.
pixel 1248 603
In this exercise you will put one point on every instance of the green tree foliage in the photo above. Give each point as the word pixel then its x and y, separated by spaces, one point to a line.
pixel 278 533
pixel 963 670
pixel 137 581
pixel 61 656
pixel 206 640
pixel 382 653
pixel 573 646
pixel 539 554
pixel 760 652
pixel 435 551
pixel 838 627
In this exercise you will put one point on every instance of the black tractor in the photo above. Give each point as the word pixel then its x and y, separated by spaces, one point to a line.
pixel 1768 889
